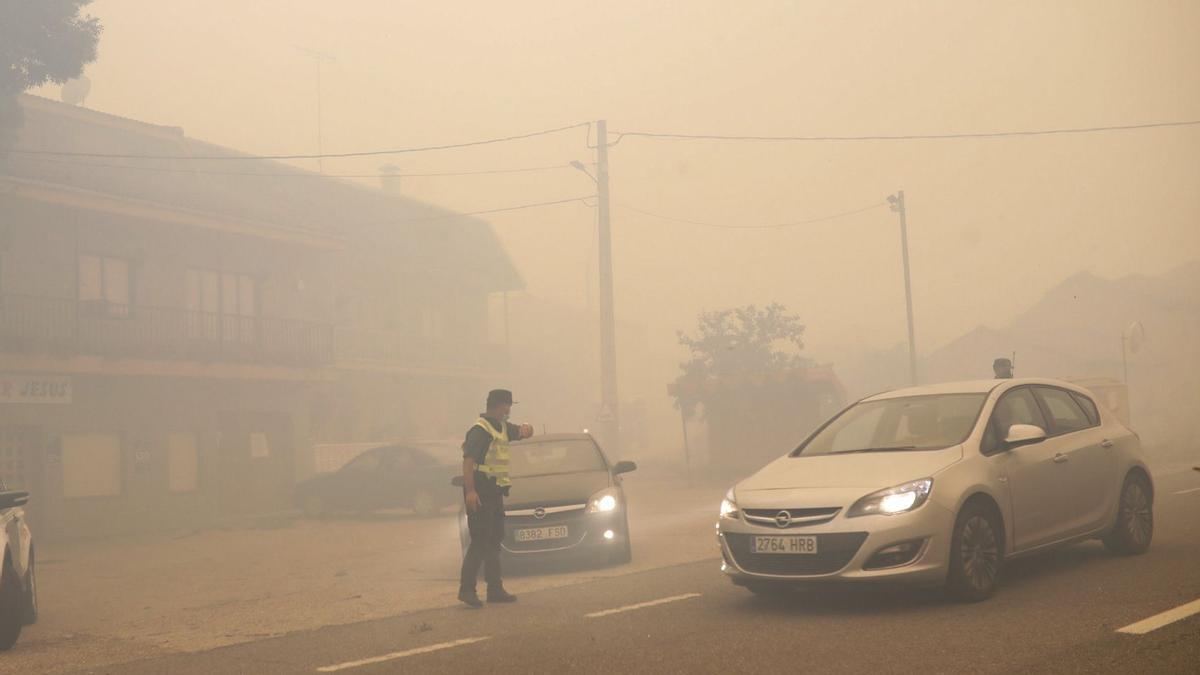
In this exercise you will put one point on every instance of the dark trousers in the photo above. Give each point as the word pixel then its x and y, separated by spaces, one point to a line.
pixel 486 526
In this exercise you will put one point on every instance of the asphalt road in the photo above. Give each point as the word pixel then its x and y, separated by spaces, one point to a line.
pixel 1057 613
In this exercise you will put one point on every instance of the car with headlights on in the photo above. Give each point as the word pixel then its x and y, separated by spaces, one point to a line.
pixel 566 501
pixel 940 484
pixel 18 580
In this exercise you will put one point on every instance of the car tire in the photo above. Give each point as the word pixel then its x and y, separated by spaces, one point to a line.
pixel 30 614
pixel 976 554
pixel 313 505
pixel 423 504
pixel 12 597
pixel 1134 527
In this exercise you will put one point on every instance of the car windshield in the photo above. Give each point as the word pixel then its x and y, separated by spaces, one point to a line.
pixel 898 424
pixel 541 458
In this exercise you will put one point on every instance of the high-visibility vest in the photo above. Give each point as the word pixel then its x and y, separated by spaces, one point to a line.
pixel 495 463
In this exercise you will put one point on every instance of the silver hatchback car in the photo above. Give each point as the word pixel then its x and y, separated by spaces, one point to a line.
pixel 940 484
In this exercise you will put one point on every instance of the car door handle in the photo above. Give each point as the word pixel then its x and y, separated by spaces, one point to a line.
pixel 1060 458
pixel 1106 443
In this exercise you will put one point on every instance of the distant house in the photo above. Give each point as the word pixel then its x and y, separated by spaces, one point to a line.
pixel 177 334
pixel 1075 332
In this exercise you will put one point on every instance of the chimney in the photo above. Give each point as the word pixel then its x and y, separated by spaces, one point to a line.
pixel 389 179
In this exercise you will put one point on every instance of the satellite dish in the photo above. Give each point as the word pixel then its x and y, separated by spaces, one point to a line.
pixel 1135 336
pixel 75 92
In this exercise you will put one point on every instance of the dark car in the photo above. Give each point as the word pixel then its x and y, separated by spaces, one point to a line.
pixel 566 500
pixel 18 583
pixel 392 476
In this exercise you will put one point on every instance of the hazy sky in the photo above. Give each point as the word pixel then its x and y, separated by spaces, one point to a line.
pixel 993 223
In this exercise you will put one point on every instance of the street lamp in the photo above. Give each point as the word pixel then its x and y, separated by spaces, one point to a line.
pixel 576 164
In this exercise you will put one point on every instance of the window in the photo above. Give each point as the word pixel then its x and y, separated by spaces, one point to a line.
pixel 104 284
pixel 182 463
pixel 1015 407
pixel 222 305
pixel 91 465
pixel 222 293
pixel 542 458
pixel 368 461
pixel 260 446
pixel 1065 414
pixel 1089 408
pixel 910 423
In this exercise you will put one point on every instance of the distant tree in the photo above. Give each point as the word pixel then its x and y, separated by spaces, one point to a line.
pixel 743 342
pixel 40 41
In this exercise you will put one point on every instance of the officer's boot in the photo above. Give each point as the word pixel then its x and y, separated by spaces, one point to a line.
pixel 498 594
pixel 469 598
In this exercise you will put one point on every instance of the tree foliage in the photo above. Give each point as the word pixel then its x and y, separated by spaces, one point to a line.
pixel 743 342
pixel 41 41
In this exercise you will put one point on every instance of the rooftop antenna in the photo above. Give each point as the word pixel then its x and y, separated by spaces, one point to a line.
pixel 318 58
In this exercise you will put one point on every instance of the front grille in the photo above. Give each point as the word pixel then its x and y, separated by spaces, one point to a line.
pixel 798 517
pixel 834 551
pixel 548 519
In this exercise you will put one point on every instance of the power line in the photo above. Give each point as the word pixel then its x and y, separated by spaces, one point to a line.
pixel 773 226
pixel 518 207
pixel 335 155
pixel 300 174
pixel 908 137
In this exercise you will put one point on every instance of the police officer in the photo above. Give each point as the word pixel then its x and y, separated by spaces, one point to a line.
pixel 1003 368
pixel 485 484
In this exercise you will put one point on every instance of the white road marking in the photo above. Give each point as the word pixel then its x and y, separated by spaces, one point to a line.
pixel 399 655
pixel 1184 492
pixel 1159 620
pixel 642 605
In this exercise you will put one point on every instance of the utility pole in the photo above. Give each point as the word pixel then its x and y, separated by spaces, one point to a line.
pixel 897 203
pixel 609 414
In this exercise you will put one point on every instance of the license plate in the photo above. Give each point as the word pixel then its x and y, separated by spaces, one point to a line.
pixel 542 533
pixel 792 545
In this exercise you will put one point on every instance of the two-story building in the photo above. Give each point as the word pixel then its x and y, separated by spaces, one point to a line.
pixel 176 334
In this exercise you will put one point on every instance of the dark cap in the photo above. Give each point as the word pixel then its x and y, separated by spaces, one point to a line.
pixel 1002 363
pixel 499 397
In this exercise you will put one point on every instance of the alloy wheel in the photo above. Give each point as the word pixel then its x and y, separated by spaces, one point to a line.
pixel 1136 516
pixel 980 552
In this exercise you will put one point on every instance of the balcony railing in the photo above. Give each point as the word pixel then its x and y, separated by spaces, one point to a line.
pixel 383 347
pixel 32 324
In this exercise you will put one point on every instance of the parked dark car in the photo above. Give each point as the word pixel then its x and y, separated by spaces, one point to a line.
pixel 566 500
pixel 392 476
pixel 18 582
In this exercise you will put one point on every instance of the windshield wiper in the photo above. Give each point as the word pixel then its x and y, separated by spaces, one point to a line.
pixel 882 448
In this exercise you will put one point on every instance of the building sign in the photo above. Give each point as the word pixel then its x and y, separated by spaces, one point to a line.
pixel 21 388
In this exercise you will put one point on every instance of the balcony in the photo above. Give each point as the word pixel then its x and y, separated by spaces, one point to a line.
pixel 390 349
pixel 30 324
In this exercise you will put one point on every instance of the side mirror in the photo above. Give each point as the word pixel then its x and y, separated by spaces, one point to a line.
pixel 1024 434
pixel 624 467
pixel 456 481
pixel 12 499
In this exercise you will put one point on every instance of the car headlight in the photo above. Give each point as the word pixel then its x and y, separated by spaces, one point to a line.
pixel 893 500
pixel 604 501
pixel 729 507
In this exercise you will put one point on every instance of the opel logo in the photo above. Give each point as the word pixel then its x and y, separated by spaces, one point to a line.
pixel 783 519
pixel 539 513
